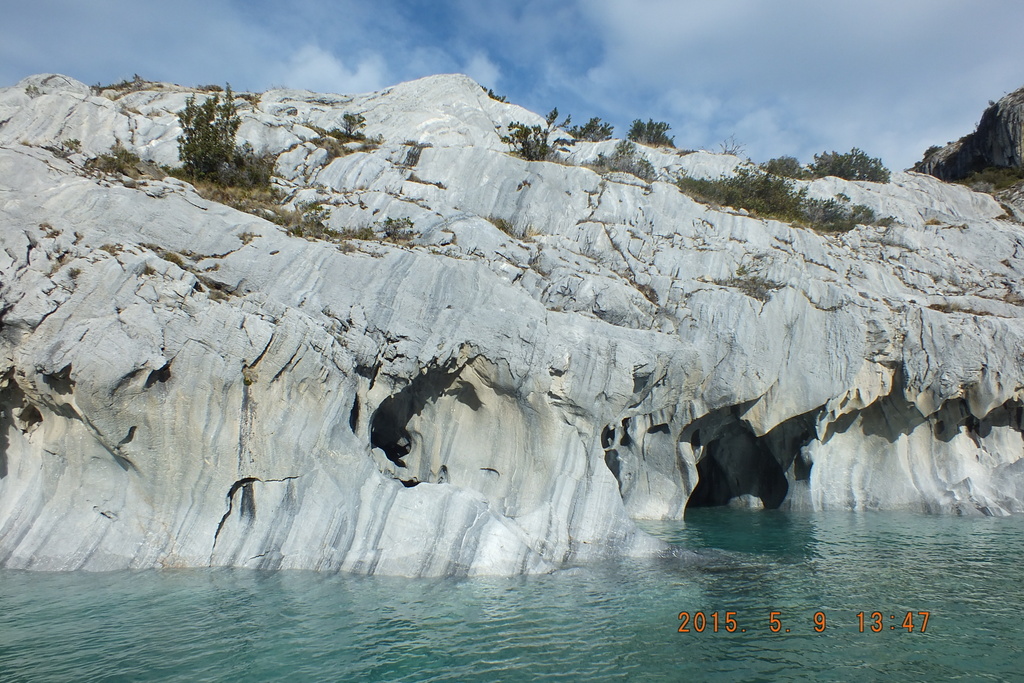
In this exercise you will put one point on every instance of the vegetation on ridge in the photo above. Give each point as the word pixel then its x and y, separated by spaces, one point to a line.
pixel 534 143
pixel 653 133
pixel 768 195
pixel 853 165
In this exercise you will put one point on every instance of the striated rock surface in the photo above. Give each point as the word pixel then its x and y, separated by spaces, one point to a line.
pixel 184 384
pixel 998 141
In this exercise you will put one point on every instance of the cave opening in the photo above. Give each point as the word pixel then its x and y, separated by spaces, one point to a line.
pixel 736 465
pixel 735 462
pixel 389 424
pixel 388 432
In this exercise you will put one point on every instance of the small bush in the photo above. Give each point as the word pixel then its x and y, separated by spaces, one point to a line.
pixel 853 165
pixel 352 124
pixel 836 215
pixel 173 257
pixel 626 159
pixel 771 196
pixel 128 85
pixel 119 161
pixel 246 169
pixel 359 234
pixel 732 146
pixel 494 96
pixel 397 229
pixel 754 286
pixel 994 179
pixel 66 148
pixel 503 225
pixel 594 130
pixel 309 220
pixel 653 133
pixel 787 167
pixel 765 194
pixel 533 143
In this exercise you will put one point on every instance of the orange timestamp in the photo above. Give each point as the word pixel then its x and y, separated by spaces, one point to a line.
pixel 729 622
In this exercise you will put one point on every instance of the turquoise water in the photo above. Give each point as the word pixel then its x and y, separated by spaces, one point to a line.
pixel 615 621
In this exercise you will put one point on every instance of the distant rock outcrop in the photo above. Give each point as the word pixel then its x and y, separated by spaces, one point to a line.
pixel 554 353
pixel 998 141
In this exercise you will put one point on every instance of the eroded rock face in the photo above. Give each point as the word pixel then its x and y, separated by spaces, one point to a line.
pixel 998 141
pixel 183 384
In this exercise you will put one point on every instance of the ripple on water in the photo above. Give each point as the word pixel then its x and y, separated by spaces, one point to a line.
pixel 612 621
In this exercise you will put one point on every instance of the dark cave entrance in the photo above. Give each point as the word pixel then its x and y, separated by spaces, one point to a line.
pixel 735 462
pixel 734 466
pixel 389 426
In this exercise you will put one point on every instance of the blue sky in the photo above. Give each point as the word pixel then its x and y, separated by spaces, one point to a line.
pixel 779 76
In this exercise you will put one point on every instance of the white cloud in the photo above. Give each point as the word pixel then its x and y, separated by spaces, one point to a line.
pixel 877 74
pixel 482 70
pixel 785 76
pixel 313 68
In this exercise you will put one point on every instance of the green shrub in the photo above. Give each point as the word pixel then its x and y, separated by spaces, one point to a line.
pixel 310 221
pixel 359 234
pixel 533 143
pixel 787 167
pixel 771 196
pixel 207 141
pixel 65 148
pixel 994 178
pixel 352 124
pixel 765 194
pixel 853 165
pixel 314 213
pixel 529 142
pixel 397 229
pixel 836 215
pixel 594 130
pixel 133 84
pixel 246 169
pixel 494 96
pixel 119 160
pixel 653 133
pixel 626 159
pixel 207 147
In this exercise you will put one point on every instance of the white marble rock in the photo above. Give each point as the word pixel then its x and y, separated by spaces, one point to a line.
pixel 186 385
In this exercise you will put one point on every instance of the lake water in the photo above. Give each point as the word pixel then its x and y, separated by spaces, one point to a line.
pixel 615 621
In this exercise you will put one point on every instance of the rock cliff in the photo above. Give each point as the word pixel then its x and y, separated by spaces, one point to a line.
pixel 184 384
pixel 998 141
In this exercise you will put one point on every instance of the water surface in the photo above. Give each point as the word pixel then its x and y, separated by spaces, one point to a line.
pixel 613 621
